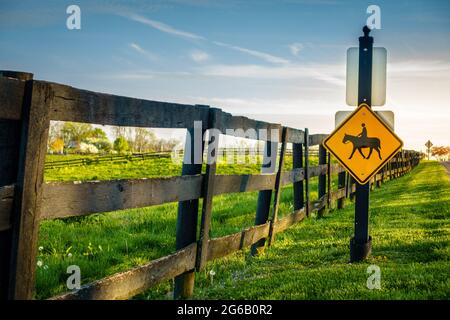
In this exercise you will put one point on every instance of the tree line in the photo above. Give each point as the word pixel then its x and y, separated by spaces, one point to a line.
pixel 73 137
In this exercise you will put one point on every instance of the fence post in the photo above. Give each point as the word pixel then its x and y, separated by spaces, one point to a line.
pixel 329 179
pixel 297 162
pixel 307 200
pixel 208 190
pixel 186 229
pixel 322 177
pixel 341 184
pixel 278 187
pixel 28 190
pixel 9 158
pixel 265 196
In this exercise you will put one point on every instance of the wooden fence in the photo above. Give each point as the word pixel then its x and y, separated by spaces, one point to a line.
pixel 26 108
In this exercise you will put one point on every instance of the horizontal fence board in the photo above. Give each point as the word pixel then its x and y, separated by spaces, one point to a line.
pixel 315 139
pixel 295 175
pixel 240 126
pixel 295 135
pixel 6 202
pixel 221 247
pixel 336 168
pixel 127 284
pixel 64 199
pixel 243 183
pixel 289 220
pixel 320 203
pixel 318 170
pixel 11 95
pixel 338 194
pixel 72 104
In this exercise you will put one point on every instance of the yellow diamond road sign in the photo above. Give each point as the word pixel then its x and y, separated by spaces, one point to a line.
pixel 363 143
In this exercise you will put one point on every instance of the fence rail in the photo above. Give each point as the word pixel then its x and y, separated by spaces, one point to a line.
pixel 27 106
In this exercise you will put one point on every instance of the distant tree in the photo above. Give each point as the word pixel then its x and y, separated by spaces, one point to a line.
pixel 97 133
pixel 99 139
pixel 440 152
pixel 75 132
pixel 121 145
pixel 143 140
pixel 57 146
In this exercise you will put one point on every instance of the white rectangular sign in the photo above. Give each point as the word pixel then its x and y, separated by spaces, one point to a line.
pixel 379 61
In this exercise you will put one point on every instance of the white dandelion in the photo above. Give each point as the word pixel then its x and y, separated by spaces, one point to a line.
pixel 212 273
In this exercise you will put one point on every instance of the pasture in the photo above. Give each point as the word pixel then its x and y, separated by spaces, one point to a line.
pixel 409 224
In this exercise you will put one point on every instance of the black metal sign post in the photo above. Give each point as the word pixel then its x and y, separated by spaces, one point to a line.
pixel 361 243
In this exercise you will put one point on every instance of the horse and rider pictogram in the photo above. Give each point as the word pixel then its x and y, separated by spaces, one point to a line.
pixel 361 141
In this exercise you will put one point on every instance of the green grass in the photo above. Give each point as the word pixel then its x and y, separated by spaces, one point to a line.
pixel 409 224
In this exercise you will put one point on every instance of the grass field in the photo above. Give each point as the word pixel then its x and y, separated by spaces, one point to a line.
pixel 409 221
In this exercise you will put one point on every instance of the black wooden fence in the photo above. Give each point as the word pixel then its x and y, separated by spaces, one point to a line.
pixel 26 108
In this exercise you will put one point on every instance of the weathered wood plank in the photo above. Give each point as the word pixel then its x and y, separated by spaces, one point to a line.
pixel 65 199
pixel 315 139
pixel 127 284
pixel 321 186
pixel 209 182
pixel 307 173
pixel 11 98
pixel 244 183
pixel 6 203
pixel 338 194
pixel 220 247
pixel 321 169
pixel 320 203
pixel 295 136
pixel 265 196
pixel 28 190
pixel 290 220
pixel 187 216
pixel 276 201
pixel 240 126
pixel 336 168
pixel 72 104
pixel 297 164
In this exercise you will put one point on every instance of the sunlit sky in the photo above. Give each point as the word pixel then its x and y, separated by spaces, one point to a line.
pixel 281 61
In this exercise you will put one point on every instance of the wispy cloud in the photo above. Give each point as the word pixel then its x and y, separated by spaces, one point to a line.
pixel 334 74
pixel 419 68
pixel 189 35
pixel 199 56
pixel 262 55
pixel 164 27
pixel 296 48
pixel 143 52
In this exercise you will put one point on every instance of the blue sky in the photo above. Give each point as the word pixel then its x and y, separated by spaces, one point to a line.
pixel 281 61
